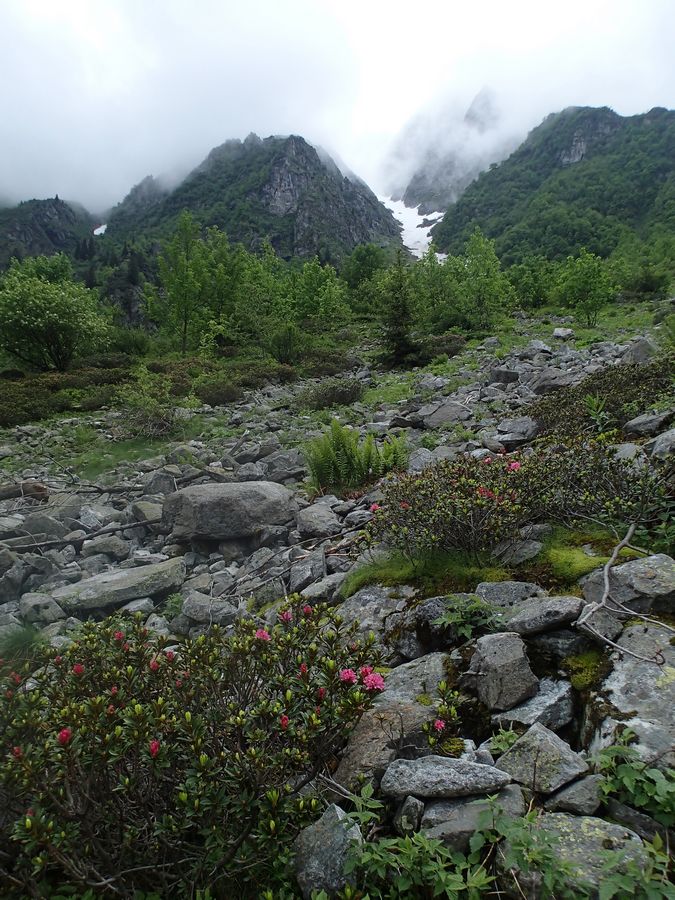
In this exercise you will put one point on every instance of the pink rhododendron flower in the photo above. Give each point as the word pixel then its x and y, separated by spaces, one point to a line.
pixel 365 670
pixel 119 635
pixel 373 682
pixel 374 507
pixel 153 665
pixel 114 689
pixel 303 668
pixel 170 655
pixel 283 721
pixel 286 615
pixel 513 466
pixel 321 693
pixel 263 635
pixel 307 610
pixel 404 504
pixel 487 459
pixel 17 752
pixel 348 676
pixel 64 736
pixel 78 669
pixel 439 724
pixel 58 660
pixel 154 748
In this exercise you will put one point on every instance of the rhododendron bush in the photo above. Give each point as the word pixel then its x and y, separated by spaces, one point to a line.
pixel 128 765
pixel 473 504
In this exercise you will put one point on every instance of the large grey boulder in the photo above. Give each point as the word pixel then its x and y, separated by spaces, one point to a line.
pixel 592 848
pixel 440 776
pixel 321 852
pixel 499 672
pixel 118 586
pixel 456 821
pixel 638 694
pixel 227 511
pixel 508 593
pixel 541 761
pixel 433 415
pixel 513 433
pixel 552 706
pixel 639 352
pixel 370 608
pixel 543 614
pixel 400 710
pixel 648 423
pixel 643 585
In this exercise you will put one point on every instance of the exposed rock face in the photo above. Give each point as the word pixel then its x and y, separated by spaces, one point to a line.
pixel 111 589
pixel 227 511
pixel 551 706
pixel 299 199
pixel 456 821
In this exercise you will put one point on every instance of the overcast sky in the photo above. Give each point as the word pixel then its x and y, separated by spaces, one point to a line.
pixel 99 93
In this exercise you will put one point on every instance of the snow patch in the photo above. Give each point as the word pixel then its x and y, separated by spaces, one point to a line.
pixel 415 228
pixel 100 229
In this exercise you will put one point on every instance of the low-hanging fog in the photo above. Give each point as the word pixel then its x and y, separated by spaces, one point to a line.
pixel 98 95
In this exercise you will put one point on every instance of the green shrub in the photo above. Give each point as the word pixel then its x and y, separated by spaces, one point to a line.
pixel 623 391
pixel 287 344
pixel 636 783
pixel 20 647
pixel 147 407
pixel 339 461
pixel 472 504
pixel 216 389
pixel 332 392
pixel 131 767
pixel 468 616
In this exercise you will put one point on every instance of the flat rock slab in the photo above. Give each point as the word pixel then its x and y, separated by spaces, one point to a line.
pixel 552 706
pixel 541 761
pixel 582 797
pixel 499 672
pixel 436 414
pixel 643 585
pixel 119 586
pixel 583 843
pixel 440 776
pixel 321 852
pixel 641 694
pixel 227 511
pixel 543 614
pixel 456 821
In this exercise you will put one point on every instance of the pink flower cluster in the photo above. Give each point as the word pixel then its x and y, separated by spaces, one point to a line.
pixel 263 635
pixel 370 680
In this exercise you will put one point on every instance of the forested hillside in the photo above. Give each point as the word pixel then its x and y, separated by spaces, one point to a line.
pixel 584 178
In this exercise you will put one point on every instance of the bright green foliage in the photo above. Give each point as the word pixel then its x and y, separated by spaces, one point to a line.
pixel 533 280
pixel 45 318
pixel 468 616
pixel 19 647
pixel 637 783
pixel 585 285
pixel 503 741
pixel 597 413
pixel 413 866
pixel 169 771
pixel 148 409
pixel 362 263
pixel 338 461
pixel 331 392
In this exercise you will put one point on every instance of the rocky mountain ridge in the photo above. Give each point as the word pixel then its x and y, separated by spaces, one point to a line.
pixel 38 227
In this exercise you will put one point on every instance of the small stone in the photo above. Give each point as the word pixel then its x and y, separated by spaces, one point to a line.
pixel 582 797
pixel 408 816
pixel 553 707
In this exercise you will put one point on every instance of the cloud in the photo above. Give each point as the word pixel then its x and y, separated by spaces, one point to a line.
pixel 99 94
